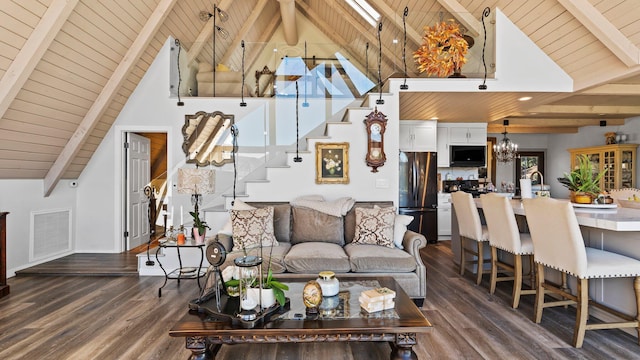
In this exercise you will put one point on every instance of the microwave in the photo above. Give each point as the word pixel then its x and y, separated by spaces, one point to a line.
pixel 467 155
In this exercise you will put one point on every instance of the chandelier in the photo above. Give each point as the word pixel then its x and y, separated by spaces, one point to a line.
pixel 506 150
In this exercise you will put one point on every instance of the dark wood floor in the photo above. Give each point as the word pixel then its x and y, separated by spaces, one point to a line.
pixel 81 317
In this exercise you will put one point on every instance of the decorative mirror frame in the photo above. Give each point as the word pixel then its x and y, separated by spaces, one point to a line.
pixel 196 132
pixel 376 124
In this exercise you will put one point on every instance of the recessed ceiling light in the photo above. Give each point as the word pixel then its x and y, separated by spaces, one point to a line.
pixel 395 41
pixel 434 118
pixel 525 98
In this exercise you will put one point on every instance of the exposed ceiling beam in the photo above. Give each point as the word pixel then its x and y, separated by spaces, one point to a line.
pixel 558 122
pixel 586 109
pixel 495 129
pixel 109 91
pixel 602 29
pixel 388 12
pixel 246 26
pixel 613 89
pixel 366 33
pixel 34 48
pixel 205 34
pixel 463 16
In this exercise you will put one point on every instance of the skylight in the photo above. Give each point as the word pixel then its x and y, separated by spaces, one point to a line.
pixel 365 10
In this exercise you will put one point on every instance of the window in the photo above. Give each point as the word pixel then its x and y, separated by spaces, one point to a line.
pixel 528 162
pixel 365 10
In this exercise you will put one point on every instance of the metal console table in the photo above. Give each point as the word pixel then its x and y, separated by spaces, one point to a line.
pixel 181 272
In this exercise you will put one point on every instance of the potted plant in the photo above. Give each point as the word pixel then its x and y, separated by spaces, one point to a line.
pixel 443 50
pixel 582 181
pixel 272 289
pixel 199 227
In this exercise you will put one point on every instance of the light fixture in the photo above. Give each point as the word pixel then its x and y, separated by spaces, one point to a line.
pixel 525 98
pixel 197 182
pixel 506 150
pixel 217 30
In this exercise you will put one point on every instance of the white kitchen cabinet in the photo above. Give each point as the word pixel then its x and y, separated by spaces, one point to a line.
pixel 468 135
pixel 443 146
pixel 444 216
pixel 418 135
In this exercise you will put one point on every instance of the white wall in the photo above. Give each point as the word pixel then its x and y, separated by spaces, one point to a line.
pixel 22 197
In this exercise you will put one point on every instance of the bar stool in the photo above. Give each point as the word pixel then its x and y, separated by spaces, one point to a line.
pixel 504 235
pixel 558 244
pixel 470 227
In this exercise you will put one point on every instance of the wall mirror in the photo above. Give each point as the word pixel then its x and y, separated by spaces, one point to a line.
pixel 207 138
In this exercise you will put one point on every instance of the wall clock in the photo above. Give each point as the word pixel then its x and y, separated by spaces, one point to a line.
pixel 376 124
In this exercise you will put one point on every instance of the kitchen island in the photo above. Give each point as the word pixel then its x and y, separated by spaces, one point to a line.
pixel 616 230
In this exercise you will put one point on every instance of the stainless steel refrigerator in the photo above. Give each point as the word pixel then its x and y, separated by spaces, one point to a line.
pixel 419 192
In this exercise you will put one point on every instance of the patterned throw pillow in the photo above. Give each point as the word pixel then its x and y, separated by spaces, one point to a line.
pixel 375 226
pixel 250 227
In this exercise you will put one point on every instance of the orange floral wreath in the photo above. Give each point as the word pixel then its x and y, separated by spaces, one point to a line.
pixel 443 50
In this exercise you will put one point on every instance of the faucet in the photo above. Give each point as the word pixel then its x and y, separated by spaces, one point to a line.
pixel 542 192
pixel 541 178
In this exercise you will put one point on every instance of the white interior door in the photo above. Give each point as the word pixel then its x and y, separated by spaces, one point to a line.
pixel 138 176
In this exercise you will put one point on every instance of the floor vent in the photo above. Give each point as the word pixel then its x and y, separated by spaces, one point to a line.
pixel 50 234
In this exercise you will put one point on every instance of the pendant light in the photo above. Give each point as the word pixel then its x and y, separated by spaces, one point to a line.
pixel 505 151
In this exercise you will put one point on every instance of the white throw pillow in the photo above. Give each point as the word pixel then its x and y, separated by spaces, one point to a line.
pixel 399 228
pixel 227 229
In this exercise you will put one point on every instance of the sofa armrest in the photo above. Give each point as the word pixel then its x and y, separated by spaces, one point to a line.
pixel 412 243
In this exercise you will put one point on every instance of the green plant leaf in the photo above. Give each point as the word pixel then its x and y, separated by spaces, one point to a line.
pixel 279 295
pixel 278 285
pixel 232 282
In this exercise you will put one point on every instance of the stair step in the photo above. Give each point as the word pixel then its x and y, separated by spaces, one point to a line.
pixel 339 122
pixel 257 181
pixel 299 152
pixel 277 167
pixel 237 195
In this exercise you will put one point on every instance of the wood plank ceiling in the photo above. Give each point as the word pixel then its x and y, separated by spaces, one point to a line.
pixel 67 67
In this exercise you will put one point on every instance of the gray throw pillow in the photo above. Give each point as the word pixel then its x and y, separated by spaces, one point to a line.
pixel 311 225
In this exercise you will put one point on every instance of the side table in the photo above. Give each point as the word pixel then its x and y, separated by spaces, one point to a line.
pixel 181 272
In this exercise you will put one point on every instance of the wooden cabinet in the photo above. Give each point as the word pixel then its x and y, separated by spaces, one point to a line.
pixel 468 134
pixel 619 159
pixel 417 135
pixel 4 288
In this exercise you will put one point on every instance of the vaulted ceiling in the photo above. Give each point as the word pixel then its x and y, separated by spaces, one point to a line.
pixel 67 67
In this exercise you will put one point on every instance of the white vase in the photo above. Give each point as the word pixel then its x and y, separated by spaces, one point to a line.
pixel 268 297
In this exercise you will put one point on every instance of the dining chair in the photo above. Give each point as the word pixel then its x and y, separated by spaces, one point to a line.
pixel 470 228
pixel 558 244
pixel 505 236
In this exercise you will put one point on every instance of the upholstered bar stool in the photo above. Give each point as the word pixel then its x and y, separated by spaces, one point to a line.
pixel 558 244
pixel 470 228
pixel 504 235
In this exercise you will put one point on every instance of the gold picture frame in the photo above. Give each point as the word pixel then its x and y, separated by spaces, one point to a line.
pixel 332 163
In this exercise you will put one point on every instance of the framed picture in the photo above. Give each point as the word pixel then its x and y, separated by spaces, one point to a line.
pixel 332 163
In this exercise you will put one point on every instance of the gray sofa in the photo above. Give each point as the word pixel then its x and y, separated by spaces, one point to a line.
pixel 310 242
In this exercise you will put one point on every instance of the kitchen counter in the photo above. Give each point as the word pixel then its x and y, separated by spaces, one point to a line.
pixel 618 219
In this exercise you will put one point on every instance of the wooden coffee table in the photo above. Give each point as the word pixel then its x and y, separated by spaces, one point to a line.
pixel 204 336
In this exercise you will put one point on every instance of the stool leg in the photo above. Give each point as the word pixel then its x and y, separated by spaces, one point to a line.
pixel 517 281
pixel 532 272
pixel 462 260
pixel 480 261
pixel 539 304
pixel 636 288
pixel 494 269
pixel 583 312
